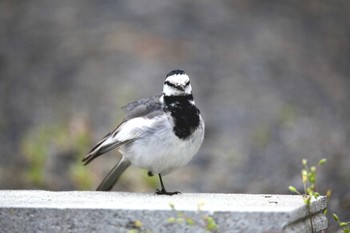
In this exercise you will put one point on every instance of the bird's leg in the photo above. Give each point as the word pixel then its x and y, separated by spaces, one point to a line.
pixel 163 191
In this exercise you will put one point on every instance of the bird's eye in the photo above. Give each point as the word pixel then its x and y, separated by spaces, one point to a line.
pixel 170 84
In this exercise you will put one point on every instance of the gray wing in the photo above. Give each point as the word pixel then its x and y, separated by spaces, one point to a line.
pixel 103 146
pixel 147 107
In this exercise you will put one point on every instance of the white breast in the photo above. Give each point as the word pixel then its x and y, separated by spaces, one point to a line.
pixel 159 150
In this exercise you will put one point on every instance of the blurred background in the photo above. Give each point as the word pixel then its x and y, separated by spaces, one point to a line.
pixel 271 79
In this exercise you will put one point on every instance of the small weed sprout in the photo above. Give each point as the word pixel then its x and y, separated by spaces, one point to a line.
pixel 345 226
pixel 137 227
pixel 206 222
pixel 309 175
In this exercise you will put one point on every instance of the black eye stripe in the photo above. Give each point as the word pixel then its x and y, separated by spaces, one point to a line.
pixel 169 84
pixel 174 86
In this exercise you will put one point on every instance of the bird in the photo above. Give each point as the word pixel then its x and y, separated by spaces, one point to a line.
pixel 160 133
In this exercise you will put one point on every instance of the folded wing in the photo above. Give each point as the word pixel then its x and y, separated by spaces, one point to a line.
pixel 138 114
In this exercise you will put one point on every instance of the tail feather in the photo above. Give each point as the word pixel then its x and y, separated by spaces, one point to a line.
pixel 105 145
pixel 99 151
pixel 113 176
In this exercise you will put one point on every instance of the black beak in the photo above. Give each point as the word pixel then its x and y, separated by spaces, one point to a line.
pixel 180 88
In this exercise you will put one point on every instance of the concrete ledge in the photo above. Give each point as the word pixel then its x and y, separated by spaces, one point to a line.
pixel 75 211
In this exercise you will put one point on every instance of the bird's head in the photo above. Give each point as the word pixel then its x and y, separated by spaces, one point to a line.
pixel 177 83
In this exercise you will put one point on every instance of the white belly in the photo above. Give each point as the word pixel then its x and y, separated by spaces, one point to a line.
pixel 160 151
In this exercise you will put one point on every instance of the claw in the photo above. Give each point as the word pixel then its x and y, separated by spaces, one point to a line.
pixel 164 192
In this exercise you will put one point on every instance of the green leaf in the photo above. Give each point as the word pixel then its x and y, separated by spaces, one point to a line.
pixel 211 225
pixel 171 220
pixel 343 224
pixel 180 220
pixel 190 221
pixel 335 217
pixel 293 189
pixel 138 224
pixel 322 161
pixel 312 177
pixel 307 199
pixel 133 231
pixel 310 191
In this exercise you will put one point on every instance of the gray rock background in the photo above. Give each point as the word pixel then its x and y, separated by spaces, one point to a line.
pixel 270 77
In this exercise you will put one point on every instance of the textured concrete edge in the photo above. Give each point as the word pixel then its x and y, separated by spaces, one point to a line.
pixel 40 214
pixel 107 220
pixel 319 223
pixel 312 216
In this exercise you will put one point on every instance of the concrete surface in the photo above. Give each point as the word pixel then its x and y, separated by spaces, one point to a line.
pixel 76 211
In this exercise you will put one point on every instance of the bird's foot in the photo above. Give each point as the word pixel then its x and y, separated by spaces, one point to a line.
pixel 164 192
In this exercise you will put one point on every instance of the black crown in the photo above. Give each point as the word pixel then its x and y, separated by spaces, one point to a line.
pixel 175 72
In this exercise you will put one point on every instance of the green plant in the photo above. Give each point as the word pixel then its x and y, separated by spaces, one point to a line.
pixel 205 222
pixel 137 227
pixel 309 177
pixel 345 226
pixel 36 146
pixel 47 141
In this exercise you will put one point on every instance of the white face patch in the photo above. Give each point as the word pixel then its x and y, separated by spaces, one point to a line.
pixel 177 84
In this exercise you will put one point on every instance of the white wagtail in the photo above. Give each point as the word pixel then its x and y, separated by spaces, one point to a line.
pixel 160 133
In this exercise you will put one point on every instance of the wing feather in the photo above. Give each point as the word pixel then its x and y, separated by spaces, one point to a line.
pixel 143 108
pixel 130 129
